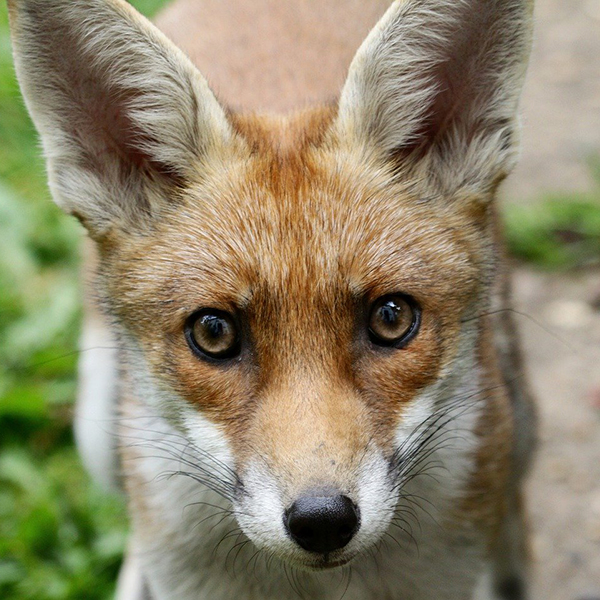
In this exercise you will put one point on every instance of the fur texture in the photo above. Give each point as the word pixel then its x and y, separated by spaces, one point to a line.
pixel 296 225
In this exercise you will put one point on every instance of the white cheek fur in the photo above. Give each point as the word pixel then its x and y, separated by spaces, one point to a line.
pixel 440 422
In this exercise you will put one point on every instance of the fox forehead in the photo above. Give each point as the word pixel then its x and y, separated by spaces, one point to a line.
pixel 290 215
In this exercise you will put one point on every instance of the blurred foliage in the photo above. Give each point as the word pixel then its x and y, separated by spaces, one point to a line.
pixel 561 231
pixel 60 538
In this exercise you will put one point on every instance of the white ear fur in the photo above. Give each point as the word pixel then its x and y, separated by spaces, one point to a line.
pixel 437 83
pixel 121 111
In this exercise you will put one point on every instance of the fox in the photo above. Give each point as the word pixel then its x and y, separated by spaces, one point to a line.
pixel 301 364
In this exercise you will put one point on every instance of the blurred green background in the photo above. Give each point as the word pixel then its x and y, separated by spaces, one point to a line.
pixel 60 537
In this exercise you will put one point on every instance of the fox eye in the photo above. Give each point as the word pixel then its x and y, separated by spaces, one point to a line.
pixel 212 333
pixel 394 320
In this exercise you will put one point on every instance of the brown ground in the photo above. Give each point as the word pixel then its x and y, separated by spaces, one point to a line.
pixel 563 353
pixel 561 129
pixel 561 124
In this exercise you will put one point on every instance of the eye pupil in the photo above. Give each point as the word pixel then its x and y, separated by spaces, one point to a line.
pixel 389 313
pixel 214 326
pixel 394 320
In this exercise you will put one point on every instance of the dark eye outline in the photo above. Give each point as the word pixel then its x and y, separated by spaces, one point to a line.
pixel 232 352
pixel 405 338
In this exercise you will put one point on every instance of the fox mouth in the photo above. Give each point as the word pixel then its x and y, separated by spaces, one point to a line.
pixel 325 563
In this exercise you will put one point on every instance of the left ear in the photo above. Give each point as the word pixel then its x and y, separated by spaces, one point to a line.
pixel 124 117
pixel 436 87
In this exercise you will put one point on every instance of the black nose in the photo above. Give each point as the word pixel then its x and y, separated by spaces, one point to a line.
pixel 322 523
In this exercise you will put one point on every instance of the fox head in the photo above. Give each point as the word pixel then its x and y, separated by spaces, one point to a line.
pixel 302 297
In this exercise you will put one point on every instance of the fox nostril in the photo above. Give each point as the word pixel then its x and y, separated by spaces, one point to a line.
pixel 322 523
pixel 346 532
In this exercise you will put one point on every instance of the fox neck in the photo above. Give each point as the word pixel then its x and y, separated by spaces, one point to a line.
pixel 318 38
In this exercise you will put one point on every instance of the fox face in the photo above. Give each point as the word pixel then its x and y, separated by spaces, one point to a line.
pixel 303 298
pixel 304 313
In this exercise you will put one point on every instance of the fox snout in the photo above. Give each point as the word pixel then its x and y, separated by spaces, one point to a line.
pixel 317 487
pixel 319 527
pixel 301 491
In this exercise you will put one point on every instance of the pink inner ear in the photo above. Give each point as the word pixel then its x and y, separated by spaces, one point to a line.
pixel 111 84
pixel 465 79
pixel 442 76
pixel 98 117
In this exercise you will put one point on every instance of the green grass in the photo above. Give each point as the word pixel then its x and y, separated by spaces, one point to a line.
pixel 60 538
pixel 561 231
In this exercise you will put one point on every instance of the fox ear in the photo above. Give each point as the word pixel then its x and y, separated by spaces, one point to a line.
pixel 436 87
pixel 123 115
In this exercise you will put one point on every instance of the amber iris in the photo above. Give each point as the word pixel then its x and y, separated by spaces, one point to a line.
pixel 213 333
pixel 394 320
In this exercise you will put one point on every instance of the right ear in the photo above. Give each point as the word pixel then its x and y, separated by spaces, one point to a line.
pixel 123 115
pixel 435 89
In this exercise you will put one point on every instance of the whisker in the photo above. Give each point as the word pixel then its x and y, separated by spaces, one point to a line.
pixel 531 319
pixel 416 457
pixel 232 532
pixel 27 368
pixel 348 582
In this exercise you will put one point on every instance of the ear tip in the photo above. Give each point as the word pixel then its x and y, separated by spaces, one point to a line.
pixel 13 6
